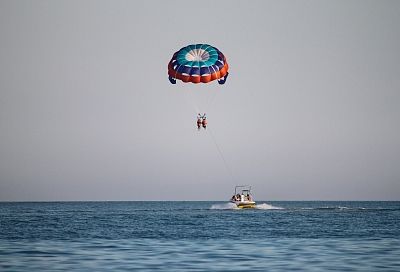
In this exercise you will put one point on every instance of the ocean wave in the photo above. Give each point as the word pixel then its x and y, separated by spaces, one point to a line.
pixel 342 208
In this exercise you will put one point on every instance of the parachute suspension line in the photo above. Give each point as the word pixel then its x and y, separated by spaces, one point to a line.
pixel 222 155
pixel 189 100
pixel 210 101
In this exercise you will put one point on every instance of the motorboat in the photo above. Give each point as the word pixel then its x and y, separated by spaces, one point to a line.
pixel 243 197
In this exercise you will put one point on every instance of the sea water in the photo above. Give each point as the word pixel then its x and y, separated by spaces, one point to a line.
pixel 199 236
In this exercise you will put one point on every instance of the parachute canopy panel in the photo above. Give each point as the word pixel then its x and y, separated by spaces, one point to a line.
pixel 198 63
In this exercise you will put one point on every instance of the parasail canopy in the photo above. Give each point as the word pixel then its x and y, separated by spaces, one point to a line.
pixel 198 63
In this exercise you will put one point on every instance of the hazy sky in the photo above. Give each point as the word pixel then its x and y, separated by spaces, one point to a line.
pixel 310 110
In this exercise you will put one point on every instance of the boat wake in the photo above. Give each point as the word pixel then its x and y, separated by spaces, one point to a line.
pixel 224 206
pixel 265 206
pixel 232 206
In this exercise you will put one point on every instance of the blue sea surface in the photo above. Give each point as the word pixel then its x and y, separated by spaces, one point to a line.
pixel 199 236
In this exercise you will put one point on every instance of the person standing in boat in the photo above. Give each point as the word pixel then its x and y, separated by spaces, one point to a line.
pixel 249 197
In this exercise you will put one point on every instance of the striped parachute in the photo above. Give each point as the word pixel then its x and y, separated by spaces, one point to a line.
pixel 198 63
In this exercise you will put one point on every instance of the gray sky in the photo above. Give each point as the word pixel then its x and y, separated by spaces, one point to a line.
pixel 310 110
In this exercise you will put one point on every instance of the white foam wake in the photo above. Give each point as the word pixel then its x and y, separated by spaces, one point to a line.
pixel 224 206
pixel 266 206
pixel 232 206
